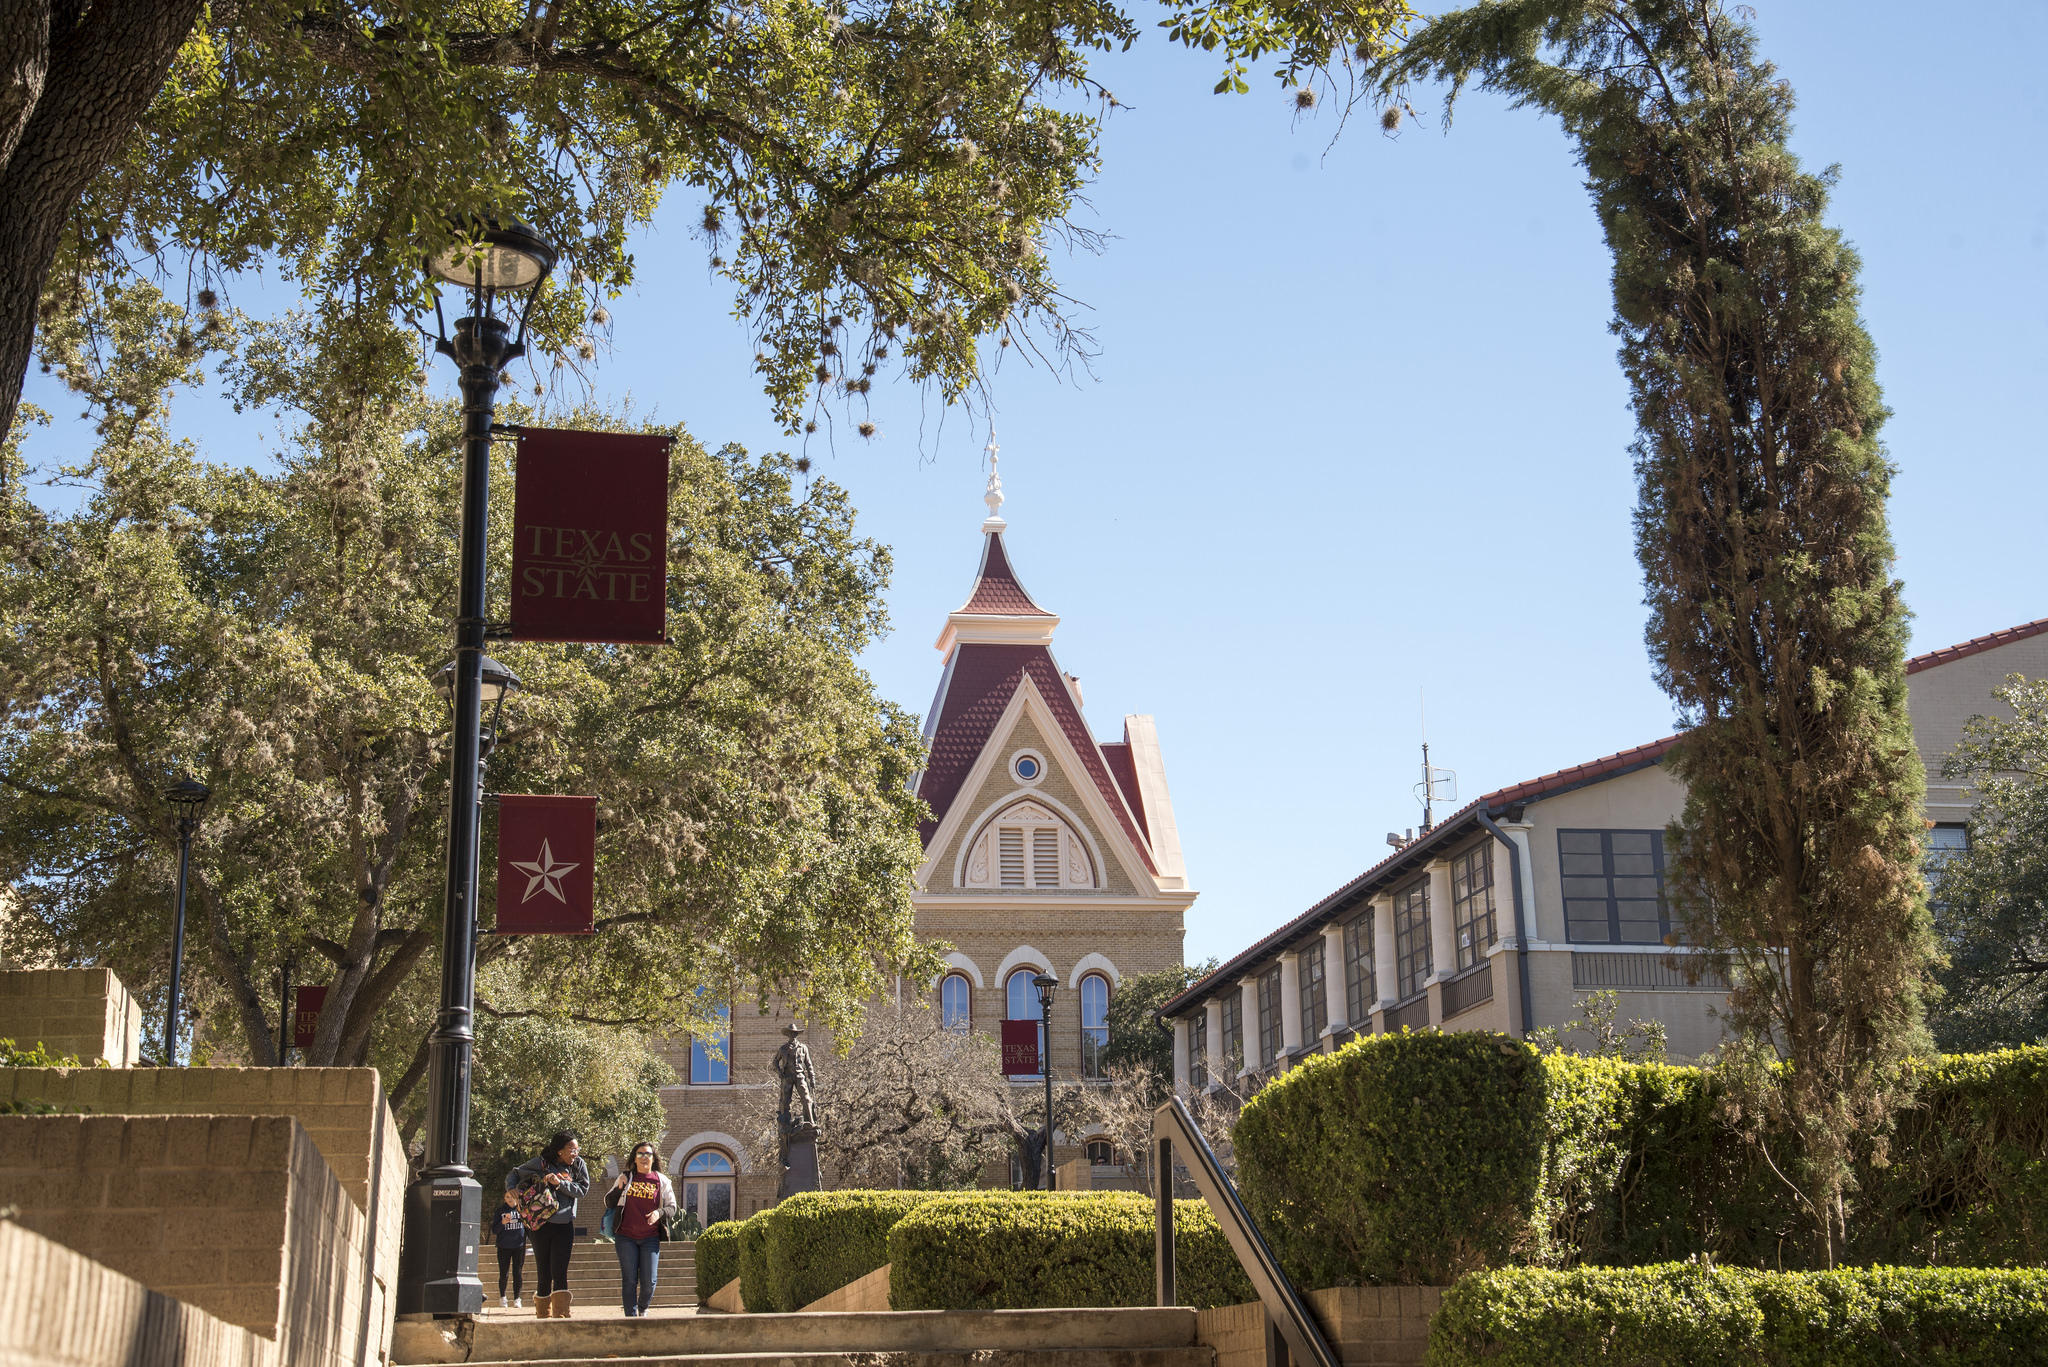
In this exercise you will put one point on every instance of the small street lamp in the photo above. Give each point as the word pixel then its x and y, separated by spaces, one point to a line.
pixel 1046 985
pixel 498 680
pixel 501 268
pixel 187 796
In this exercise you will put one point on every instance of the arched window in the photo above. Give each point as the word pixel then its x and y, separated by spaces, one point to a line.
pixel 956 1003
pixel 1101 1152
pixel 1094 1023
pixel 1023 1004
pixel 708 1186
pixel 1028 846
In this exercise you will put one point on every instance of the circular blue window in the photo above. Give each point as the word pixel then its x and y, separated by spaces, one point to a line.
pixel 1027 768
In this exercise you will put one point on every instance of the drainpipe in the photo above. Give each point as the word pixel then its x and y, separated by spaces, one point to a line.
pixel 1521 921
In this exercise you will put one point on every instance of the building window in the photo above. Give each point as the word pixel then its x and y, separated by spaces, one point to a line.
pixel 1094 1023
pixel 1473 925
pixel 1271 1042
pixel 708 1186
pixel 1022 995
pixel 1412 961
pixel 1613 887
pixel 1101 1153
pixel 1198 1048
pixel 1315 1012
pixel 956 1003
pixel 1028 766
pixel 711 1054
pixel 1945 840
pixel 1233 1032
pixel 1361 983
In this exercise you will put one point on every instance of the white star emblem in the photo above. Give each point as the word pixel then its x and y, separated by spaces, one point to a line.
pixel 544 875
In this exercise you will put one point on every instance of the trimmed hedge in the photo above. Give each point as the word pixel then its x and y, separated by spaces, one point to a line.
pixel 1018 1250
pixel 1692 1315
pixel 755 1289
pixel 718 1259
pixel 1417 1158
pixel 818 1241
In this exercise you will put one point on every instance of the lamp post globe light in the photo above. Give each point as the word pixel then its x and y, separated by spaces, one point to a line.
pixel 187 796
pixel 501 267
pixel 1046 985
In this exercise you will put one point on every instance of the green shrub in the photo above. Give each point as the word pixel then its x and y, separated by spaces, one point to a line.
pixel 1021 1250
pixel 718 1259
pixel 1692 1315
pixel 1400 1158
pixel 755 1289
pixel 818 1241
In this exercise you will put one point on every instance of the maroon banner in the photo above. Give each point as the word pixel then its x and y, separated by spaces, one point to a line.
pixel 547 854
pixel 590 537
pixel 306 1015
pixel 1020 1048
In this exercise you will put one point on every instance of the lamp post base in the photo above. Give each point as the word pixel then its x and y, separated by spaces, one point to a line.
pixel 437 1257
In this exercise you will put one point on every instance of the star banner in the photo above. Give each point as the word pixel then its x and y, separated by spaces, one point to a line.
pixel 547 853
pixel 590 537
pixel 1020 1048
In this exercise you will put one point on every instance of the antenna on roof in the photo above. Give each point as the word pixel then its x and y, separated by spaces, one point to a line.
pixel 1438 785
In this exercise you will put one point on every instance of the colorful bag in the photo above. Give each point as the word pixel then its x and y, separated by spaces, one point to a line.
pixel 535 1202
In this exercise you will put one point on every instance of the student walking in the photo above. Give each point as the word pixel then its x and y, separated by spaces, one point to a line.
pixel 510 1230
pixel 561 1172
pixel 646 1202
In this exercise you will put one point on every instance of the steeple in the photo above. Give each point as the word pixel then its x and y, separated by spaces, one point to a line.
pixel 998 607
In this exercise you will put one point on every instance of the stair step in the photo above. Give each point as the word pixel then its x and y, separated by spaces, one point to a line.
pixel 1197 1356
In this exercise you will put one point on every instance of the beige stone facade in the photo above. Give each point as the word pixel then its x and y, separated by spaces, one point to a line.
pixel 82 1013
pixel 1048 851
pixel 1519 906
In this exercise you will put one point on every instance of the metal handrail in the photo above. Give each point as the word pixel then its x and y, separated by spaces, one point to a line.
pixel 1285 1309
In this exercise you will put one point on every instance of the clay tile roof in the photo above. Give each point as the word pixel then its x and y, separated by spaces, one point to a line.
pixel 1976 646
pixel 996 591
pixel 1638 757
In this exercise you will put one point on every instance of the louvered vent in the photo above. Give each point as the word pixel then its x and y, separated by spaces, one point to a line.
pixel 1045 857
pixel 1010 855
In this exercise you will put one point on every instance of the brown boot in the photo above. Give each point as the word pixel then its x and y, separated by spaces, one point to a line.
pixel 543 1307
pixel 561 1305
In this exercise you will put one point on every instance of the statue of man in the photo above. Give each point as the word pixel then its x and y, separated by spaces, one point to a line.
pixel 797 1116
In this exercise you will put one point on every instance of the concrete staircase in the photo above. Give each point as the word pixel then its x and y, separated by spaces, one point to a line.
pixel 594 1277
pixel 915 1338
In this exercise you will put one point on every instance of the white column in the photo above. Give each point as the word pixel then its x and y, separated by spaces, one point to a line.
pixel 1214 1038
pixel 1334 992
pixel 1443 944
pixel 1248 1022
pixel 1518 831
pixel 1383 951
pixel 1290 1001
pixel 1181 1031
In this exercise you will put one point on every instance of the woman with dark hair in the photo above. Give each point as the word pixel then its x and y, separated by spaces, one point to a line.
pixel 645 1201
pixel 558 1169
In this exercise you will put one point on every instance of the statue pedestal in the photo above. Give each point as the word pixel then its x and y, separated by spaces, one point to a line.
pixel 799 1168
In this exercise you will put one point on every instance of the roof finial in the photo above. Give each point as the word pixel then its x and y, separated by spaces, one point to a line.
pixel 993 497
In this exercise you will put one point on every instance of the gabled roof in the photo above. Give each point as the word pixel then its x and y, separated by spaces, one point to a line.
pixel 1976 645
pixel 997 592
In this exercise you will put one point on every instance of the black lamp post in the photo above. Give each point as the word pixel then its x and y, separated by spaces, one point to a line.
pixel 1046 985
pixel 502 268
pixel 188 796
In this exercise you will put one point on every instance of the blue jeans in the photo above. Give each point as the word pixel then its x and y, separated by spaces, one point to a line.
pixel 638 1259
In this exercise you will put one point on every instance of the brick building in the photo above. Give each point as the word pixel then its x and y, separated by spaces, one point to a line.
pixel 1509 912
pixel 1047 851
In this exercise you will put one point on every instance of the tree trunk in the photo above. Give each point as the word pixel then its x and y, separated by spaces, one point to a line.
pixel 75 90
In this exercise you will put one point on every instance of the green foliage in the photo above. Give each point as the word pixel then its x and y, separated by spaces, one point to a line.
pixel 718 1259
pixel 1414 1159
pixel 757 1290
pixel 1991 910
pixel 819 1241
pixel 34 1056
pixel 1399 1158
pixel 1776 625
pixel 1598 1033
pixel 1137 1037
pixel 1025 1250
pixel 1694 1315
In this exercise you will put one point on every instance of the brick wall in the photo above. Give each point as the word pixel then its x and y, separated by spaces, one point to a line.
pixel 236 1215
pixel 85 1012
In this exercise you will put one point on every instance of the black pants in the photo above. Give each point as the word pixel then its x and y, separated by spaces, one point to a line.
pixel 511 1260
pixel 551 1245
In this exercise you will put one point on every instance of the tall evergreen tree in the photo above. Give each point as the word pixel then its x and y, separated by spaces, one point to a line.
pixel 1776 625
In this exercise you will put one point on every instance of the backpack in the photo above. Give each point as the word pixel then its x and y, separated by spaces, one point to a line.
pixel 535 1202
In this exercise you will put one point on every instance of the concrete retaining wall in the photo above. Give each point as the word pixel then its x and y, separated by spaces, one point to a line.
pixel 84 1012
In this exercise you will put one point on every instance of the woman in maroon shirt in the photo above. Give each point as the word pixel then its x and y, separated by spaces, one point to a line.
pixel 645 1201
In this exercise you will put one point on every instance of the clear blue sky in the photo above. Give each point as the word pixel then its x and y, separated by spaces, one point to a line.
pixel 1357 434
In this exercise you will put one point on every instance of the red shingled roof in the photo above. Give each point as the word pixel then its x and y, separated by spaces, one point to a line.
pixel 1638 757
pixel 983 679
pixel 1976 645
pixel 996 590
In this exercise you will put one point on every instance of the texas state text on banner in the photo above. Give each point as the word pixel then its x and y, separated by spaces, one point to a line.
pixel 306 1016
pixel 547 850
pixel 590 537
pixel 1020 1048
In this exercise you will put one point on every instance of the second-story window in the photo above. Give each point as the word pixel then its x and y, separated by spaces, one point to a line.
pixel 1233 1032
pixel 1198 1048
pixel 1361 986
pixel 1094 1023
pixel 1315 1012
pixel 1270 1039
pixel 1473 926
pixel 1613 886
pixel 711 1053
pixel 956 1003
pixel 1412 962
